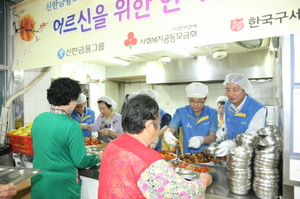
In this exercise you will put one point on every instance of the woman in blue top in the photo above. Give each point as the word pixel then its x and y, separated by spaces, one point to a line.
pixel 199 122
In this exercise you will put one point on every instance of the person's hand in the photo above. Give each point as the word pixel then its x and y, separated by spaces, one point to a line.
pixel 170 138
pixel 224 147
pixel 7 191
pixel 221 134
pixel 196 142
pixel 83 125
pixel 100 154
pixel 207 178
pixel 105 131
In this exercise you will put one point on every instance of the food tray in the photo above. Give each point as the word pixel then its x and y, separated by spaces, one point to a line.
pixel 21 144
pixel 15 175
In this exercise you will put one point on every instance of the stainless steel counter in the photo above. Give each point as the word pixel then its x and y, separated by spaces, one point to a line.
pixel 217 190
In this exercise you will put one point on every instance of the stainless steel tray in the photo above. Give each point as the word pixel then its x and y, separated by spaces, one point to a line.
pixel 15 175
pixel 188 174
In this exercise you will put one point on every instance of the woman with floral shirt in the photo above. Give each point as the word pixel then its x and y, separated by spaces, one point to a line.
pixel 131 169
pixel 108 124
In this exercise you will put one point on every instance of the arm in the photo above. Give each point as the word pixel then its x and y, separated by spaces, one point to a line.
pixel 7 191
pixel 257 122
pixel 93 127
pixel 78 151
pixel 213 129
pixel 168 183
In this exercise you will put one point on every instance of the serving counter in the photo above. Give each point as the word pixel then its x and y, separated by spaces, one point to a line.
pixel 217 190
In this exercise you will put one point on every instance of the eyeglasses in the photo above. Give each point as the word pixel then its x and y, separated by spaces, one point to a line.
pixel 196 103
pixel 79 106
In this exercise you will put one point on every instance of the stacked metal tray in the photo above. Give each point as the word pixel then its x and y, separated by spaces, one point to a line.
pixel 15 175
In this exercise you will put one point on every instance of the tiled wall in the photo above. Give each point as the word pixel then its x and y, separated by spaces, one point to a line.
pixel 172 97
pixel 35 100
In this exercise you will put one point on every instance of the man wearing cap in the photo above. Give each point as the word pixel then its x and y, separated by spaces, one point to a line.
pixel 243 114
pixel 83 115
pixel 198 121
pixel 165 118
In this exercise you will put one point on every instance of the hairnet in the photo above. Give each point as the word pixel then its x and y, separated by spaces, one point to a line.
pixel 240 80
pixel 131 95
pixel 197 90
pixel 109 101
pixel 151 93
pixel 81 99
pixel 220 99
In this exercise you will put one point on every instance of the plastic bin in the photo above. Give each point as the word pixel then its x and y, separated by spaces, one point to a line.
pixel 21 144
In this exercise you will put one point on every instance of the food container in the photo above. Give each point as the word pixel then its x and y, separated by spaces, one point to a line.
pixel 209 150
pixel 21 144
pixel 15 175
pixel 188 174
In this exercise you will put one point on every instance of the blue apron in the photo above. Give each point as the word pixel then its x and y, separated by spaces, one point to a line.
pixel 237 123
pixel 88 117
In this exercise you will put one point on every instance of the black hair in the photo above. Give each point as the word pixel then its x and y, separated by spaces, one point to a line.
pixel 108 105
pixel 221 102
pixel 137 111
pixel 62 91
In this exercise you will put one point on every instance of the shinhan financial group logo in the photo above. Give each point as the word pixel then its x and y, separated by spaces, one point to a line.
pixel 61 53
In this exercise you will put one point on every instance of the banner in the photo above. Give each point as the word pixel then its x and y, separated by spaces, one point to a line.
pixel 54 32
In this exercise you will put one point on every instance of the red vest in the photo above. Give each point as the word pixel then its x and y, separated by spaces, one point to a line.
pixel 124 159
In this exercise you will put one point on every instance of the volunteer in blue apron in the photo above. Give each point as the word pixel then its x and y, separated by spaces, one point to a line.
pixel 199 122
pixel 83 114
pixel 243 114
pixel 165 119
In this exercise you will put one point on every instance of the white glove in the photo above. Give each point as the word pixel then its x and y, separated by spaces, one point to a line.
pixel 196 142
pixel 221 134
pixel 154 144
pixel 170 138
pixel 224 147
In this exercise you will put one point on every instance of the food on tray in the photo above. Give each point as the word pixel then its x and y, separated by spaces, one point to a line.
pixel 192 167
pixel 199 157
pixel 167 155
pixel 91 141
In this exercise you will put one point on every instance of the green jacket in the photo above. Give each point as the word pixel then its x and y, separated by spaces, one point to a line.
pixel 59 150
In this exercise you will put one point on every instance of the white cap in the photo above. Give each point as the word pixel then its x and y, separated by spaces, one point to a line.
pixel 131 95
pixel 81 99
pixel 197 90
pixel 109 101
pixel 221 99
pixel 149 92
pixel 240 80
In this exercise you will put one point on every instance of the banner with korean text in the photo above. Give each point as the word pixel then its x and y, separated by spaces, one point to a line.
pixel 54 32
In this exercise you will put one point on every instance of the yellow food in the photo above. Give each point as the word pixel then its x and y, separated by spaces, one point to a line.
pixel 22 131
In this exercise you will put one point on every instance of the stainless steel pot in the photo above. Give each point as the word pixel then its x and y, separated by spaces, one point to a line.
pixel 6 157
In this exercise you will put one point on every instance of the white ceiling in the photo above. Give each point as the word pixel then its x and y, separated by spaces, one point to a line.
pixel 183 53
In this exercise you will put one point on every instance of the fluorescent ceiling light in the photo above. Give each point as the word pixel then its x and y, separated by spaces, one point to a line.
pixel 116 61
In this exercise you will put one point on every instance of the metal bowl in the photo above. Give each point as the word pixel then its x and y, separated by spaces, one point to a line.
pixel 269 140
pixel 209 150
pixel 94 150
pixel 239 190
pixel 268 131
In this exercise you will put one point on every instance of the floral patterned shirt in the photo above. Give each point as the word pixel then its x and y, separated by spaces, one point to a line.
pixel 166 183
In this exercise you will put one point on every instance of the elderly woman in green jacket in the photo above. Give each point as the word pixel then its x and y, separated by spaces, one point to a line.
pixel 58 145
